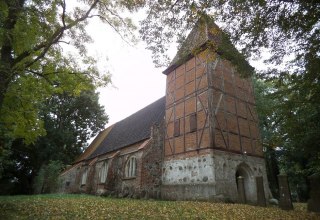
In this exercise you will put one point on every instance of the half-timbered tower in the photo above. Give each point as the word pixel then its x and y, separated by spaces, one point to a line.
pixel 211 125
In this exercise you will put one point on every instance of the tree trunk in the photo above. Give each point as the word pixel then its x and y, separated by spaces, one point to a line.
pixel 6 50
pixel 4 83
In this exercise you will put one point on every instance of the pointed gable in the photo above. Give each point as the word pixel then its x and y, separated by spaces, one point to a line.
pixel 207 35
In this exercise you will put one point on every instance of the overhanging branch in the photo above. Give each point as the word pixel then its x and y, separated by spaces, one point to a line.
pixel 54 39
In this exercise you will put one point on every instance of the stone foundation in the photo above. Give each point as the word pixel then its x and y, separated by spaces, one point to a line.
pixel 229 165
pixel 212 177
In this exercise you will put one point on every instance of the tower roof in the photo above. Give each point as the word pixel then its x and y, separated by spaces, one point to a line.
pixel 207 35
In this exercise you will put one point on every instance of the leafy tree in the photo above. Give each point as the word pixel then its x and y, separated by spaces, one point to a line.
pixel 70 121
pixel 300 130
pixel 282 27
pixel 290 132
pixel 269 129
pixel 18 174
pixel 33 64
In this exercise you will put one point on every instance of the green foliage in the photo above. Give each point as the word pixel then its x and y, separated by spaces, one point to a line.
pixel 92 207
pixel 298 114
pixel 47 179
pixel 289 125
pixel 266 107
pixel 21 110
pixel 4 159
pixel 282 27
pixel 34 64
pixel 269 129
pixel 168 20
pixel 69 121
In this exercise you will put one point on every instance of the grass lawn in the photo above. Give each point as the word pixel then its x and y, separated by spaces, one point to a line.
pixel 93 207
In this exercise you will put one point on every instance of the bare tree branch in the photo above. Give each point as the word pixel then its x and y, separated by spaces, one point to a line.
pixel 113 27
pixel 41 75
pixel 62 41
pixel 63 13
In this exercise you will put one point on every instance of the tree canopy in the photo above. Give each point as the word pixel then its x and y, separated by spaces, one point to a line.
pixel 69 121
pixel 34 64
pixel 285 28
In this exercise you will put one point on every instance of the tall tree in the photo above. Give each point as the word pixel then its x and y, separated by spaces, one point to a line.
pixel 34 66
pixel 70 121
pixel 269 129
pixel 290 131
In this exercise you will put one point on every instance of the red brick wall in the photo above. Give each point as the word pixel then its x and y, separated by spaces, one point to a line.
pixel 186 95
pixel 151 164
pixel 231 126
pixel 236 121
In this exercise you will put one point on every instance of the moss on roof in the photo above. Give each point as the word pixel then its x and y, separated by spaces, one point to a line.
pixel 207 35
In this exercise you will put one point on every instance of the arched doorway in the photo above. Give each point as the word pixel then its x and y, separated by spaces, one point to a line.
pixel 245 172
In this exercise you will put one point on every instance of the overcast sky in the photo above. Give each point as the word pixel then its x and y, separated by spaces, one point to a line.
pixel 136 82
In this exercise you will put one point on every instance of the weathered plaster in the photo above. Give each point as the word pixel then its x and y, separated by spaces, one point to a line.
pixel 196 170
pixel 212 177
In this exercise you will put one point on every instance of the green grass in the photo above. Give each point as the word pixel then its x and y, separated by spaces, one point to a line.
pixel 92 207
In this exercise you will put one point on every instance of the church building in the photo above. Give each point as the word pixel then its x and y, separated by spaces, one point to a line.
pixel 193 143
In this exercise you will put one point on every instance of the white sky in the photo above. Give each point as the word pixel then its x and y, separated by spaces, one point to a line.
pixel 136 82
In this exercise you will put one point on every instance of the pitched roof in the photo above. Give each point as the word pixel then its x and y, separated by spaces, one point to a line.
pixel 206 34
pixel 132 129
pixel 94 144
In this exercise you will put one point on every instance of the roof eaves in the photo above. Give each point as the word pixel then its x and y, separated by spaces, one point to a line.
pixel 94 145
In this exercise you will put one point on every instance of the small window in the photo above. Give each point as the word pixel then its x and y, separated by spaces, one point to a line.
pixel 131 167
pixel 104 172
pixel 177 128
pixel 84 176
pixel 193 122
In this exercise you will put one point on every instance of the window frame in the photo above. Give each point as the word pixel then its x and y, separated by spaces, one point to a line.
pixel 193 122
pixel 103 172
pixel 84 176
pixel 130 169
pixel 176 129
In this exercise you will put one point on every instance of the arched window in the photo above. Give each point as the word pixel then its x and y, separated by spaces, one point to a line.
pixel 104 172
pixel 84 176
pixel 131 167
